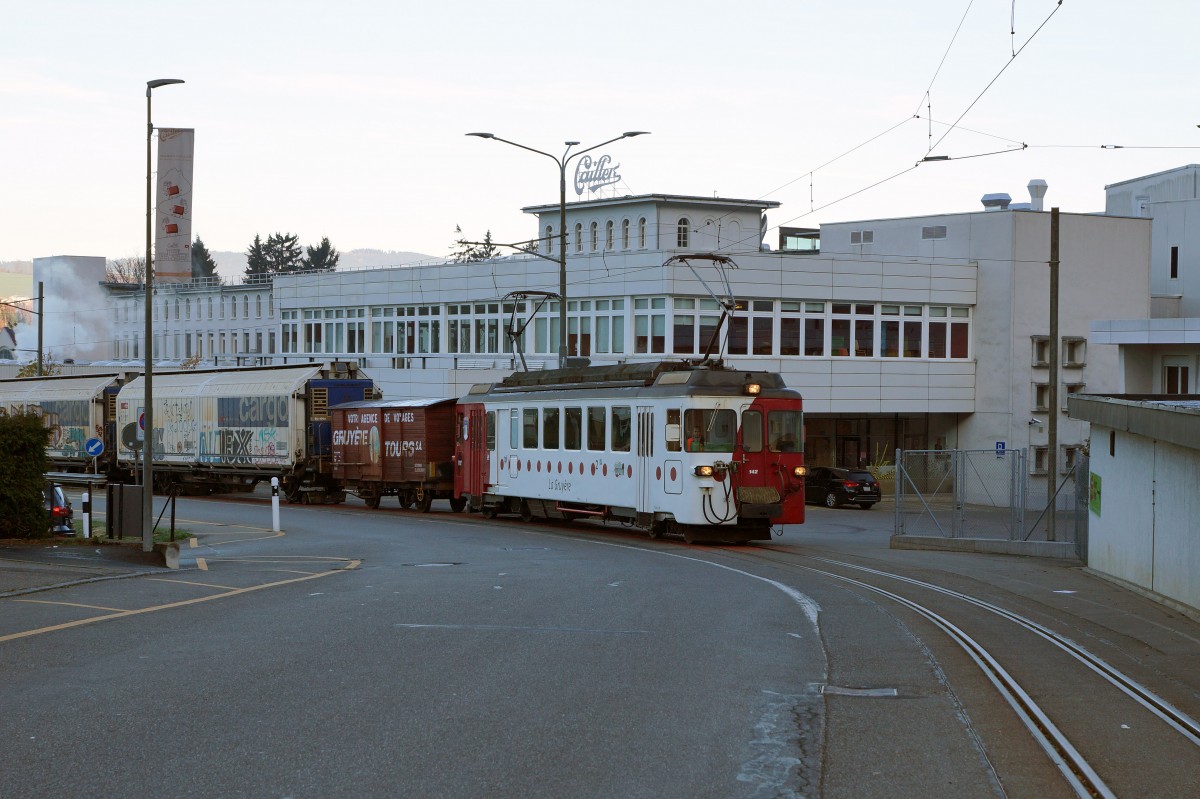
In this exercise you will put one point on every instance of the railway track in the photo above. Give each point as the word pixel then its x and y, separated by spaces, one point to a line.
pixel 1082 776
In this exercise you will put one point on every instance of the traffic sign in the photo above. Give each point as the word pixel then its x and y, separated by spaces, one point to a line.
pixel 141 425
pixel 130 437
pixel 94 447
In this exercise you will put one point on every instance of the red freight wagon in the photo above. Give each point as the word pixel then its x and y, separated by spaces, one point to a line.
pixel 401 448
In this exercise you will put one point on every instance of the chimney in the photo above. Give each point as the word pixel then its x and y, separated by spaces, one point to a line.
pixel 996 202
pixel 1037 190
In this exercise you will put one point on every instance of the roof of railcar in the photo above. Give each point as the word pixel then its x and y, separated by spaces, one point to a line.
pixel 661 378
pixel 388 404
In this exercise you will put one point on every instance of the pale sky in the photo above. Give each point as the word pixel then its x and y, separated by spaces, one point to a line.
pixel 346 119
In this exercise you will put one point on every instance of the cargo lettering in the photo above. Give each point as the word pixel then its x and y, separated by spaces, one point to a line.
pixel 399 449
pixel 350 438
pixel 252 411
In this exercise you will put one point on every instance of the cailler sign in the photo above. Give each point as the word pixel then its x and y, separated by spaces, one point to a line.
pixel 593 175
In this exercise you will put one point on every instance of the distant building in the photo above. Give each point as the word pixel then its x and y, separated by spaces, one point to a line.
pixel 8 344
pixel 1160 350
pixel 923 333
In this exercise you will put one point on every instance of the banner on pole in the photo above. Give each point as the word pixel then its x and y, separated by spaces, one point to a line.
pixel 173 207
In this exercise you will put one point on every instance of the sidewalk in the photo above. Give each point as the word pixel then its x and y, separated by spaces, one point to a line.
pixel 27 566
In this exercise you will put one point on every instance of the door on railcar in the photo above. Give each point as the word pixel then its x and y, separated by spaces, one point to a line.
pixel 769 478
pixel 646 481
pixel 471 461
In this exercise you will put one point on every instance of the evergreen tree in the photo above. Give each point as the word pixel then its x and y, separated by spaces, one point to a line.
pixel 322 258
pixel 203 265
pixel 258 268
pixel 462 252
pixel 485 251
pixel 283 253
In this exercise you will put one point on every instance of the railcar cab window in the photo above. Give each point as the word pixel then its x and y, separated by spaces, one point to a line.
pixel 709 430
pixel 550 428
pixel 785 431
pixel 514 428
pixel 622 428
pixel 674 430
pixel 491 431
pixel 752 431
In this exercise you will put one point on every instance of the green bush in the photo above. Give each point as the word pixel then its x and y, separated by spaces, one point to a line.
pixel 23 440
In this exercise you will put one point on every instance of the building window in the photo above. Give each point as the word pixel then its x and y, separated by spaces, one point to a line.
pixel 1041 350
pixel 642 233
pixel 1074 351
pixel 650 325
pixel 681 232
pixel 1071 456
pixel 608 235
pixel 1174 263
pixel 1037 464
pixel 1176 379
pixel 1069 389
pixel 578 237
pixel 1041 397
pixel 595 236
pixel 862 236
pixel 624 234
pixel 933 232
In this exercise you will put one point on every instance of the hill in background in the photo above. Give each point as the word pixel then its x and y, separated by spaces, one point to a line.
pixel 232 265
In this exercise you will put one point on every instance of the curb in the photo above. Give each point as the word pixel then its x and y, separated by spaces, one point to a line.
pixel 1062 550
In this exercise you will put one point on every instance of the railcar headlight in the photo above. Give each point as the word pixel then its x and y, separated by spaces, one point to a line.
pixel 754 389
pixel 800 471
pixel 703 471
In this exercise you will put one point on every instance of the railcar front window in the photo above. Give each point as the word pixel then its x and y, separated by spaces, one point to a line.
pixel 752 431
pixel 709 430
pixel 785 431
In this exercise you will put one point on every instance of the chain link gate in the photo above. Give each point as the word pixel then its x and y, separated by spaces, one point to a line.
pixel 984 494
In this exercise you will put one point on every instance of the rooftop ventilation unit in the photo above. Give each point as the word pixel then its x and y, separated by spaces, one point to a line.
pixel 996 202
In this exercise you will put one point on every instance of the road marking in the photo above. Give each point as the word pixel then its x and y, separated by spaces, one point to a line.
pixel 519 629
pixel 202 564
pixel 70 604
pixel 193 542
pixel 350 565
pixel 838 690
pixel 191 582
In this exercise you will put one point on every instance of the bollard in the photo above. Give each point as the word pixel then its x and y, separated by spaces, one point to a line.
pixel 87 514
pixel 275 504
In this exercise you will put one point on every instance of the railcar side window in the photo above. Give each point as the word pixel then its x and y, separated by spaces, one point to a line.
pixel 573 428
pixel 674 431
pixel 491 430
pixel 462 427
pixel 752 431
pixel 785 431
pixel 550 428
pixel 709 430
pixel 621 428
pixel 530 437
pixel 596 424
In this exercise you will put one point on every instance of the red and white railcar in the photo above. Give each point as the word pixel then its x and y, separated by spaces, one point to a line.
pixel 705 451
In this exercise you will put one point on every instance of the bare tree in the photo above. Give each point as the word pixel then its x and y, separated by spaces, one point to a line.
pixel 125 270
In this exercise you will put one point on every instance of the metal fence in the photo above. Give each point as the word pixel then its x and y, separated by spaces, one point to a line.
pixel 986 494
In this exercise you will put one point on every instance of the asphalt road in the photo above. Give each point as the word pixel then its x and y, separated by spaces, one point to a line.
pixel 388 653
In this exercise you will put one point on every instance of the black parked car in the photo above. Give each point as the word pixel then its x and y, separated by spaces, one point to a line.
pixel 833 487
pixel 59 512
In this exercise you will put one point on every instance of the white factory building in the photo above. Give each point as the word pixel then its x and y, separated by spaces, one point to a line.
pixel 923 332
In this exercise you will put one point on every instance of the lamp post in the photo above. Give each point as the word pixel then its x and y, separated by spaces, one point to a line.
pixel 148 377
pixel 567 157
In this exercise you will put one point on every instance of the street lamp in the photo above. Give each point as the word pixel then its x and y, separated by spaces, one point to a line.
pixel 562 220
pixel 148 377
